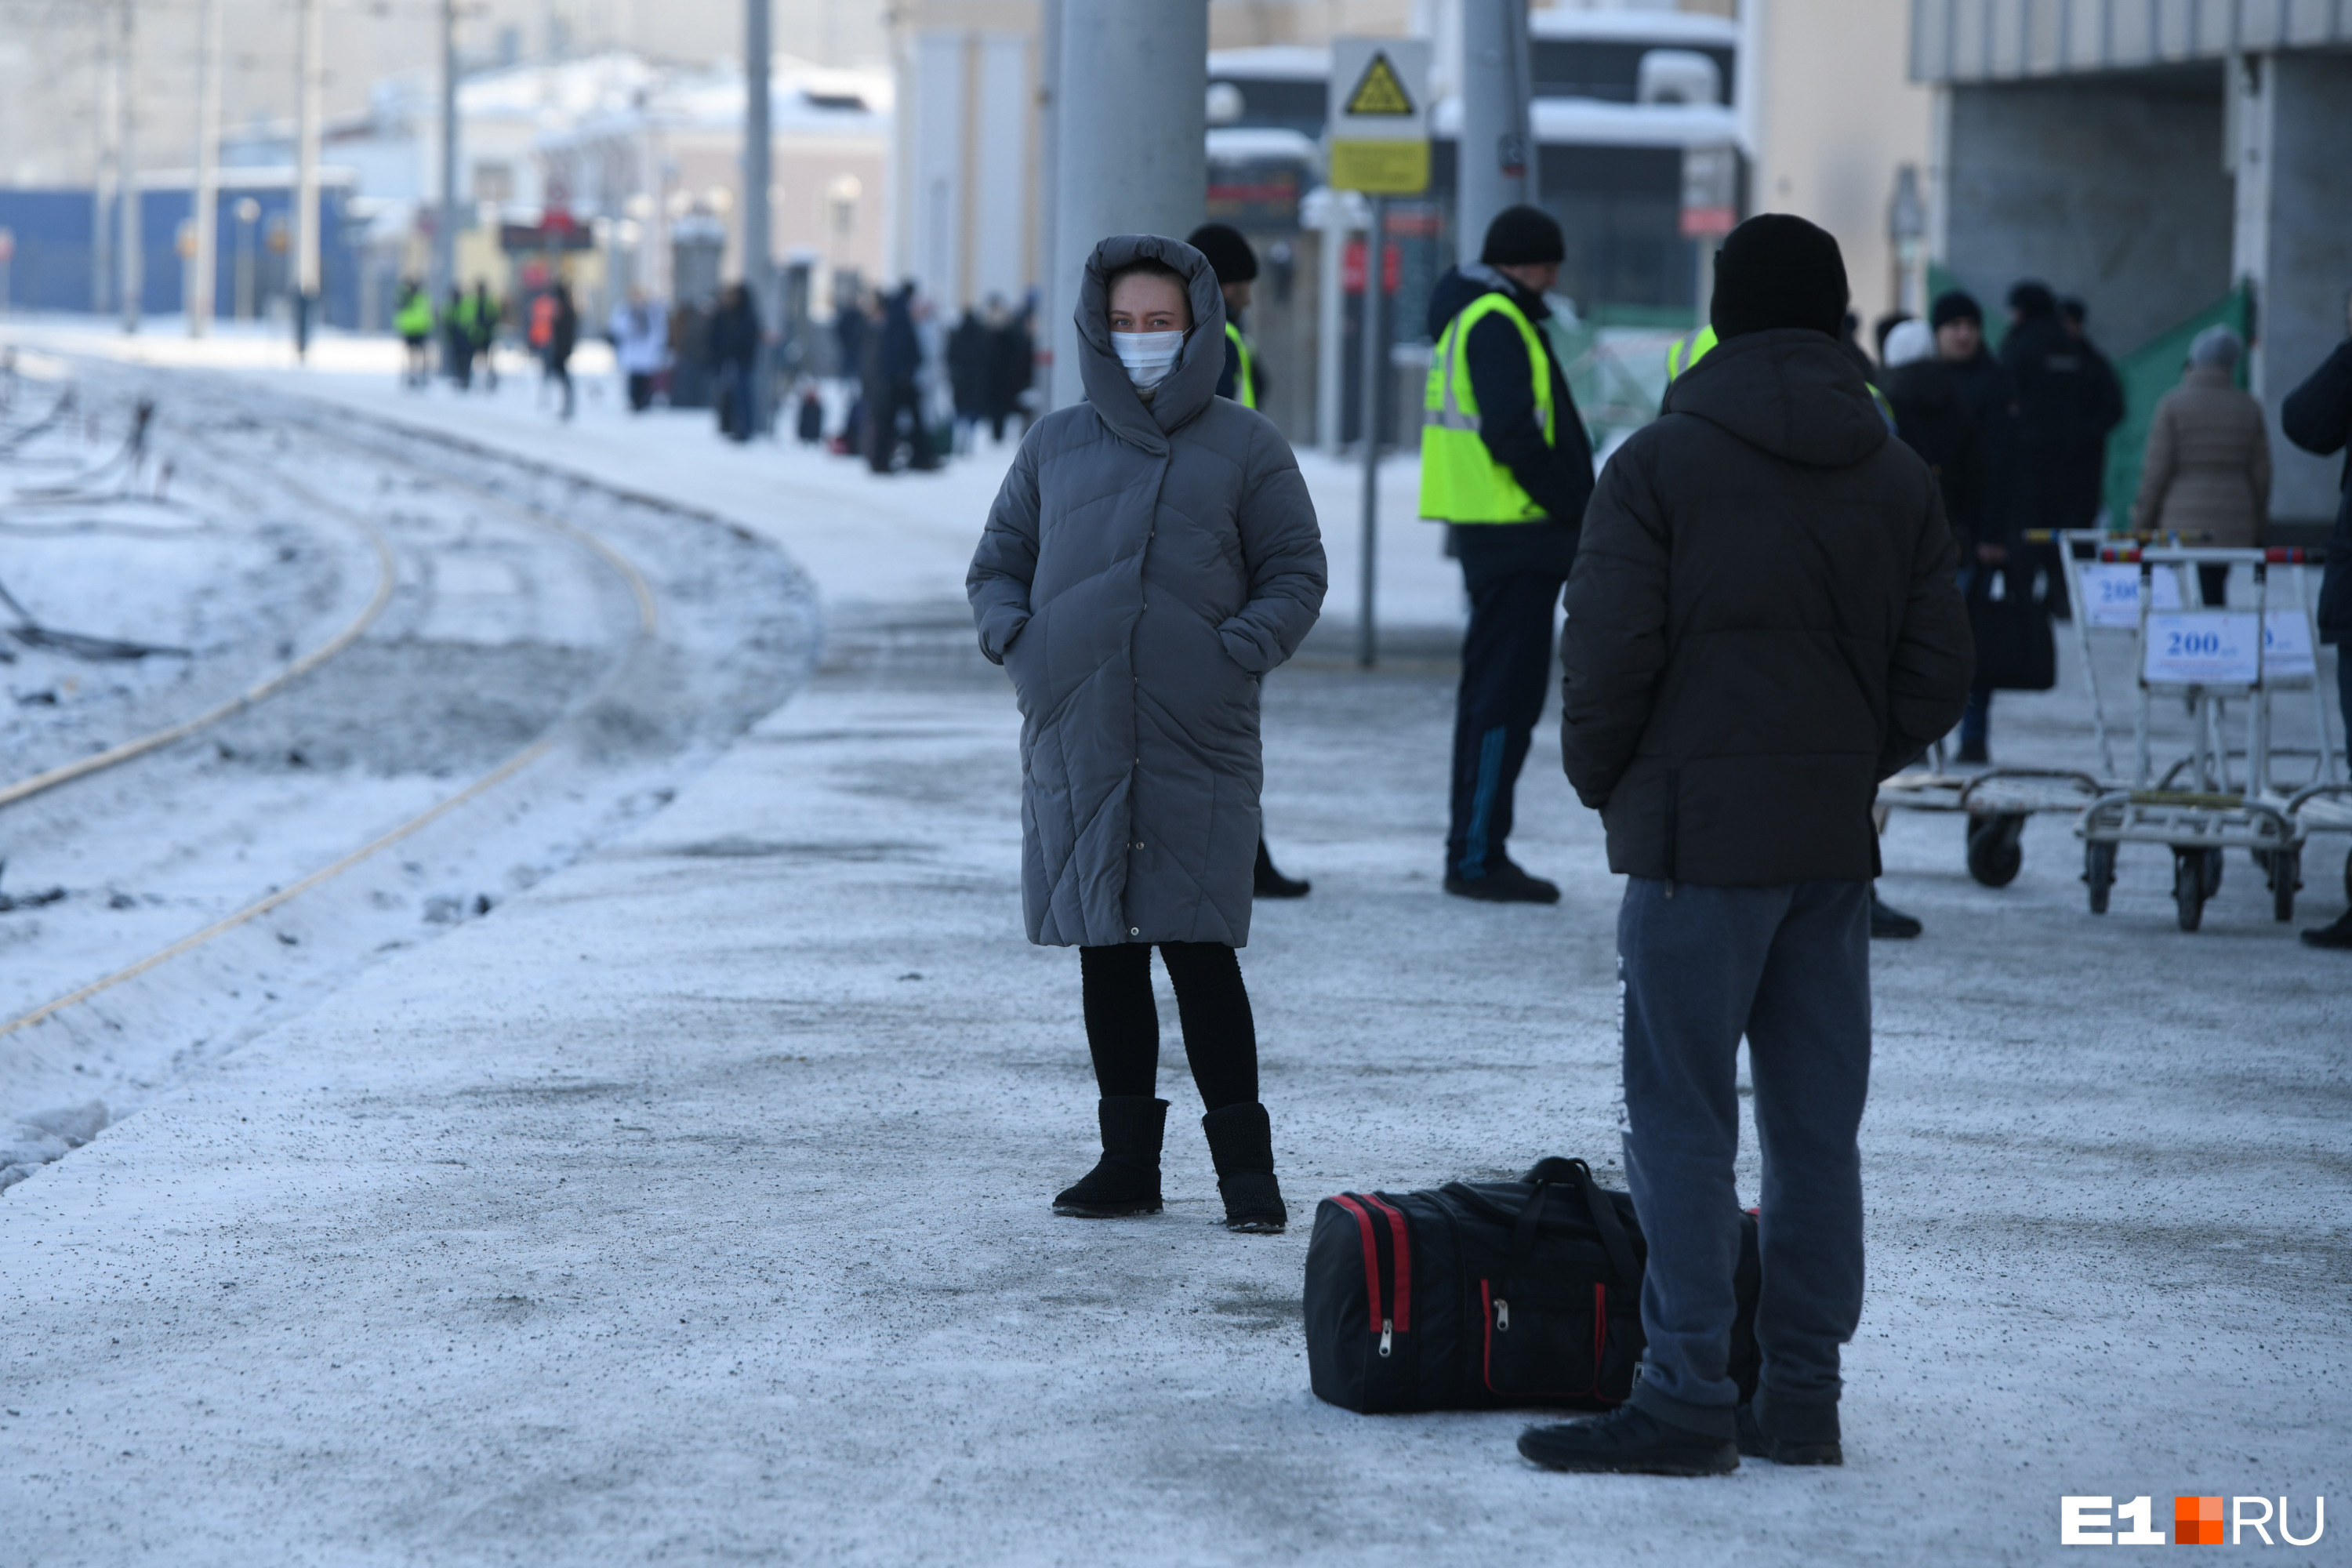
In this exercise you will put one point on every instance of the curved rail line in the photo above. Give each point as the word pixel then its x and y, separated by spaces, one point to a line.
pixel 387 577
pixel 648 627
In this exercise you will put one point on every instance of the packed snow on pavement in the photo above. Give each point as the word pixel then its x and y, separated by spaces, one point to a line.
pixel 693 1206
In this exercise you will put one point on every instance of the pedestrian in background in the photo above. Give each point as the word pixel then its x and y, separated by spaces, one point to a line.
pixel 2317 417
pixel 457 339
pixel 414 321
pixel 1235 264
pixel 562 337
pixel 734 361
pixel 1152 554
pixel 1506 464
pixel 968 372
pixel 2207 475
pixel 639 329
pixel 893 391
pixel 1989 393
pixel 2079 491
pixel 1762 623
pixel 2057 395
pixel 482 329
pixel 1014 359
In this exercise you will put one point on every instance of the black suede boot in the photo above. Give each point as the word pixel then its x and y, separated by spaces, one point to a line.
pixel 1241 1141
pixel 1126 1180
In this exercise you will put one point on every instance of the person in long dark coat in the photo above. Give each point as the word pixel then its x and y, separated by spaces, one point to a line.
pixel 1152 554
pixel 2317 417
pixel 1012 367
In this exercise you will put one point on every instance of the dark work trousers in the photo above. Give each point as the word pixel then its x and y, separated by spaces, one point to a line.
pixel 1123 1022
pixel 1506 669
pixel 1788 967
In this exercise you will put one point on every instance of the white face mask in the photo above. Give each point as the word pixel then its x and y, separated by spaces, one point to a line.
pixel 1148 356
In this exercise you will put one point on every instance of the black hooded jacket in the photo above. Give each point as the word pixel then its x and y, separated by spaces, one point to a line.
pixel 2317 417
pixel 1762 623
pixel 1933 422
pixel 1557 477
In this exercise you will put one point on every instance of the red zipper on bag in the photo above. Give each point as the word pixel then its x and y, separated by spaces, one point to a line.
pixel 1371 1256
pixel 1404 1263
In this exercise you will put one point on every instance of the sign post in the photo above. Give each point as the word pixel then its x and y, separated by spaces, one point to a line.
pixel 1380 145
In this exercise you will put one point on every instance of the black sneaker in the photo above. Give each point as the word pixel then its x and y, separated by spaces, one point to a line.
pixel 1887 921
pixel 1627 1441
pixel 1503 883
pixel 2338 935
pixel 1780 1451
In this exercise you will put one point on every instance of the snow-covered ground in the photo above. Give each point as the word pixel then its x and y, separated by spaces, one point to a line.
pixel 692 1206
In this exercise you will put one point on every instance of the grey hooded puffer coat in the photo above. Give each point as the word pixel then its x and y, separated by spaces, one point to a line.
pixel 1144 566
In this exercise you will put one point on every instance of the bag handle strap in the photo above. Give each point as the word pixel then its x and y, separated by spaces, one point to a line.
pixel 1605 1220
pixel 1523 1233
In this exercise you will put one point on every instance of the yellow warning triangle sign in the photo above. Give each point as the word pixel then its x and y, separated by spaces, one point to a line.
pixel 1380 92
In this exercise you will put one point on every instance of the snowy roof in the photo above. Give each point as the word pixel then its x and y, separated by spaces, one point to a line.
pixel 1686 28
pixel 804 99
pixel 1598 123
pixel 1260 143
pixel 1271 62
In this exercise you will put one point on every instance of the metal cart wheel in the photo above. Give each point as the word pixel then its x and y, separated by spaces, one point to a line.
pixel 1995 853
pixel 2347 874
pixel 2188 886
pixel 2099 872
pixel 2286 876
pixel 2212 870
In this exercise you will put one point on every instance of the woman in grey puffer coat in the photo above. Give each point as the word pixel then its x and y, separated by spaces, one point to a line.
pixel 1151 555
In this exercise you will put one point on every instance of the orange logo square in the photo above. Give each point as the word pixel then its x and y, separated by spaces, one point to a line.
pixel 2197 1522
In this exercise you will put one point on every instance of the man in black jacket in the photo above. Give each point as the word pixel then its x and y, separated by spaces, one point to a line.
pixel 1761 624
pixel 1504 460
pixel 2317 417
pixel 1990 393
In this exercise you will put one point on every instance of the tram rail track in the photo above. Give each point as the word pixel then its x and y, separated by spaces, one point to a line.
pixel 647 629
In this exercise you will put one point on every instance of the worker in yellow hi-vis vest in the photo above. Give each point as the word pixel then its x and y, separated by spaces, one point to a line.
pixel 1506 464
pixel 1235 264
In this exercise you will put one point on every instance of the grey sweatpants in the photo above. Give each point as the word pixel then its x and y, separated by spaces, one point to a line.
pixel 1788 967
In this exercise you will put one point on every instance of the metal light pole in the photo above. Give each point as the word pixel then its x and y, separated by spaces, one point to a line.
pixel 202 275
pixel 306 192
pixel 759 249
pixel 133 255
pixel 1130 149
pixel 445 219
pixel 1375 357
pixel 1496 158
pixel 102 204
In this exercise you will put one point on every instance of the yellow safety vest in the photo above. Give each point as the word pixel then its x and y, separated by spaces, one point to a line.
pixel 1684 352
pixel 1460 479
pixel 415 319
pixel 1244 373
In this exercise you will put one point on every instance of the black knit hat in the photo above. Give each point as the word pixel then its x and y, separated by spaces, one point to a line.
pixel 1230 255
pixel 1958 305
pixel 1777 271
pixel 1521 236
pixel 2031 299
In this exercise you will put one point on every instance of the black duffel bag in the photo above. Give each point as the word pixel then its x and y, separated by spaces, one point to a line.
pixel 2016 649
pixel 1490 1294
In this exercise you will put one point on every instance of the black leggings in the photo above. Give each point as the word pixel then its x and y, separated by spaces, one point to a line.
pixel 1123 1023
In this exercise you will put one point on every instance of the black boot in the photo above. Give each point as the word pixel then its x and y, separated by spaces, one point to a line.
pixel 1126 1181
pixel 1241 1141
pixel 2338 935
pixel 1627 1441
pixel 1268 883
pixel 1504 882
pixel 1887 921
pixel 1815 1449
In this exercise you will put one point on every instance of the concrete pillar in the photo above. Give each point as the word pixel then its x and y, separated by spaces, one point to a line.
pixel 1130 151
pixel 2292 120
pixel 758 174
pixel 206 198
pixel 1498 151
pixel 134 257
pixel 312 114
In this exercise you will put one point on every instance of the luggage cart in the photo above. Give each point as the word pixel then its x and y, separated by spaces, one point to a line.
pixel 2212 656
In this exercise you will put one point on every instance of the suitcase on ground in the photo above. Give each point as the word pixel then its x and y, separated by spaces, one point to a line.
pixel 1490 1295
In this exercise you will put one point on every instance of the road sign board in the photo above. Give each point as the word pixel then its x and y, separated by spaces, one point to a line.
pixel 1380 120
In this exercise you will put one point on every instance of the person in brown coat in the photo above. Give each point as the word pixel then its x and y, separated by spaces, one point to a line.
pixel 2207 476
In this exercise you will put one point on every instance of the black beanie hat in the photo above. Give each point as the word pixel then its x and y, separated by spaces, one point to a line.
pixel 1230 255
pixel 2032 299
pixel 1523 236
pixel 1777 271
pixel 1955 306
